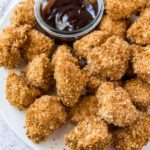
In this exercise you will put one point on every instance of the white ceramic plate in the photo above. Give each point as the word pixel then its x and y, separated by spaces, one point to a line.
pixel 16 119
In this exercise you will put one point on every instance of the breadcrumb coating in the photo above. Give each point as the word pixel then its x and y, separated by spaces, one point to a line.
pixel 39 72
pixel 11 41
pixel 120 9
pixel 87 107
pixel 133 137
pixel 63 52
pixel 110 60
pixel 113 27
pixel 18 93
pixel 116 106
pixel 139 92
pixel 85 45
pixel 90 134
pixel 24 14
pixel 141 63
pixel 70 82
pixel 44 117
pixel 37 44
pixel 139 32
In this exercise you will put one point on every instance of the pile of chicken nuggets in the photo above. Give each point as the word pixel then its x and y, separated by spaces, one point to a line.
pixel 107 98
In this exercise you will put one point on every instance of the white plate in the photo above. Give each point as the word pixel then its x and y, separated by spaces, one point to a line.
pixel 16 119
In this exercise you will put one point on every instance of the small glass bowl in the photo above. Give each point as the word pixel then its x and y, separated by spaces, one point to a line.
pixel 67 35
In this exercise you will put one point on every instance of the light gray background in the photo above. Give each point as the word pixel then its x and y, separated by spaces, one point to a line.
pixel 8 140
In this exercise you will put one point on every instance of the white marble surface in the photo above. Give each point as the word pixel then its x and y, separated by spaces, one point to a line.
pixel 8 140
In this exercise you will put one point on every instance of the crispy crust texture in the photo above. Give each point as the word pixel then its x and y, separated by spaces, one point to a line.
pixel 139 32
pixel 70 82
pixel 37 44
pixel 39 72
pixel 90 134
pixel 19 94
pixel 11 41
pixel 116 106
pixel 44 117
pixel 110 60
pixel 139 92
pixel 119 9
pixel 133 137
pixel 85 108
pixel 113 27
pixel 24 14
pixel 85 45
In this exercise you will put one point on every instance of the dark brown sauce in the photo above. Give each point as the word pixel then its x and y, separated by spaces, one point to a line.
pixel 69 15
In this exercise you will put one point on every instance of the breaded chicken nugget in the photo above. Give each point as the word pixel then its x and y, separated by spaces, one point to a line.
pixel 113 27
pixel 119 9
pixel 11 40
pixel 39 72
pixel 24 14
pixel 141 63
pixel 139 92
pixel 44 117
pixel 133 137
pixel 70 82
pixel 139 32
pixel 85 45
pixel 110 60
pixel 116 106
pixel 90 134
pixel 19 93
pixel 63 52
pixel 37 44
pixel 85 108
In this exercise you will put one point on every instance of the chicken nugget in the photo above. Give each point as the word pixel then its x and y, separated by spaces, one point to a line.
pixel 141 63
pixel 24 14
pixel 70 82
pixel 120 9
pixel 37 44
pixel 139 92
pixel 19 93
pixel 85 108
pixel 139 32
pixel 11 41
pixel 90 134
pixel 110 60
pixel 44 117
pixel 39 72
pixel 113 27
pixel 133 137
pixel 85 45
pixel 116 106
pixel 63 52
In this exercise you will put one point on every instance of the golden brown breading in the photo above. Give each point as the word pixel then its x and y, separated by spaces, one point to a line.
pixel 139 32
pixel 70 82
pixel 119 9
pixel 11 41
pixel 113 27
pixel 37 44
pixel 90 134
pixel 133 137
pixel 85 45
pixel 110 60
pixel 44 117
pixel 39 72
pixel 139 92
pixel 116 106
pixel 141 63
pixel 24 14
pixel 85 108
pixel 19 94
pixel 63 52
